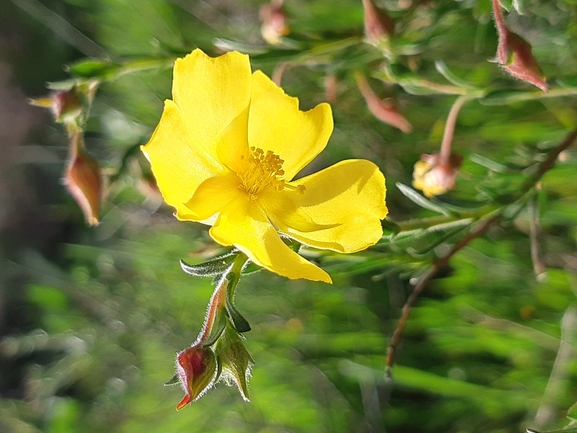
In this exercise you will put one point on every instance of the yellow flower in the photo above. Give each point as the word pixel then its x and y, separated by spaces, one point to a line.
pixel 227 150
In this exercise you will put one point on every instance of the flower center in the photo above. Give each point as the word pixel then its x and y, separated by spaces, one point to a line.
pixel 263 172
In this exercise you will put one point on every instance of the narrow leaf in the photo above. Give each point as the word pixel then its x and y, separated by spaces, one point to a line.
pixel 418 199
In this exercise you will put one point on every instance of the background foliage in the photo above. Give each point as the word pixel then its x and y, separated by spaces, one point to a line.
pixel 90 318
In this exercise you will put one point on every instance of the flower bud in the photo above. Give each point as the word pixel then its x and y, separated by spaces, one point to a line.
pixel 385 110
pixel 196 368
pixel 234 359
pixel 64 105
pixel 274 25
pixel 515 55
pixel 82 179
pixel 435 177
pixel 379 26
pixel 522 64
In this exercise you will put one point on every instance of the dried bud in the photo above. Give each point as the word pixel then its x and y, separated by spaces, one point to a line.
pixel 83 180
pixel 196 368
pixel 515 55
pixel 64 105
pixel 435 177
pixel 235 360
pixel 385 110
pixel 274 25
pixel 379 26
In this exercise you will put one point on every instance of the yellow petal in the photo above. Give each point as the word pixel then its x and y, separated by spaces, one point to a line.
pixel 276 123
pixel 211 93
pixel 213 195
pixel 243 224
pixel 179 164
pixel 347 200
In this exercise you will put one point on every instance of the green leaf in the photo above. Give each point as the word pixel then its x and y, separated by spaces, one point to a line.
pixel 565 430
pixel 572 412
pixel 444 70
pixel 93 68
pixel 418 199
pixel 238 321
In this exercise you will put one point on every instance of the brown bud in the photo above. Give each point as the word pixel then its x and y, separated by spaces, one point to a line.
pixel 379 26
pixel 196 368
pixel 274 22
pixel 385 110
pixel 435 177
pixel 83 180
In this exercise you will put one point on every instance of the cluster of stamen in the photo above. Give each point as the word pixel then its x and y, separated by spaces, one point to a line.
pixel 263 172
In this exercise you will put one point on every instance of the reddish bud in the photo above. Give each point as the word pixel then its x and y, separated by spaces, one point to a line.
pixel 274 22
pixel 435 177
pixel 196 368
pixel 379 26
pixel 385 110
pixel 515 55
pixel 82 179
pixel 64 105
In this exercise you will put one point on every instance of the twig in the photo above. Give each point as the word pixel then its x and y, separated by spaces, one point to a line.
pixel 543 167
pixel 437 266
pixel 535 237
pixel 445 153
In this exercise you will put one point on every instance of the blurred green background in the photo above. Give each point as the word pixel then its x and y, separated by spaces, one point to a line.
pixel 91 318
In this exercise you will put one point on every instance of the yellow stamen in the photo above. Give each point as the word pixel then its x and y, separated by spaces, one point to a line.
pixel 263 172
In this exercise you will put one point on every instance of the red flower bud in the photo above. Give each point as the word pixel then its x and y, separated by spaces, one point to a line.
pixel 379 26
pixel 515 55
pixel 385 110
pixel 82 179
pixel 64 105
pixel 196 368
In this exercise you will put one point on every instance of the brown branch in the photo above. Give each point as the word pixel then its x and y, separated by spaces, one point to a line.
pixel 437 266
pixel 543 167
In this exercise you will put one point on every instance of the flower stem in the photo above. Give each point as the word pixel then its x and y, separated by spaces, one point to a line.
pixel 217 301
pixel 445 153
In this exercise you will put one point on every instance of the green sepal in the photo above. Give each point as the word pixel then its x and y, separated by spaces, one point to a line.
pixel 234 360
pixel 211 268
pixel 237 320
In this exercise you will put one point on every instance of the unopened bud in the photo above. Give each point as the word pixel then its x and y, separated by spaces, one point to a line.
pixel 514 53
pixel 274 22
pixel 379 26
pixel 385 110
pixel 64 105
pixel 83 180
pixel 435 177
pixel 196 368
pixel 235 360
pixel 522 64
